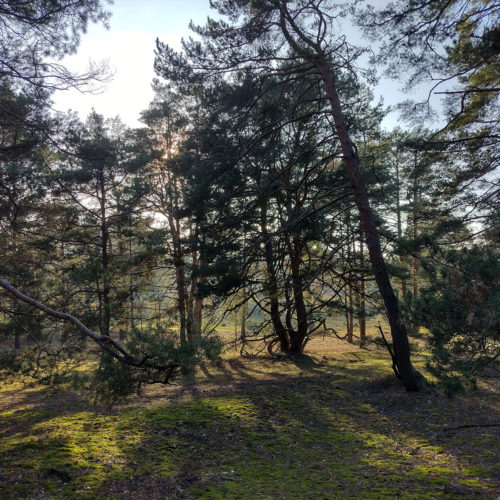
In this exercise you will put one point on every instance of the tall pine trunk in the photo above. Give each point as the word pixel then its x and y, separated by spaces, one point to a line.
pixel 180 280
pixel 131 282
pixel 415 259
pixel 400 227
pixel 198 302
pixel 244 309
pixel 410 377
pixel 105 302
pixel 351 256
pixel 314 54
pixel 362 301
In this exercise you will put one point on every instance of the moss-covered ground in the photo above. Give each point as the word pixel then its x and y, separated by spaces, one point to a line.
pixel 336 425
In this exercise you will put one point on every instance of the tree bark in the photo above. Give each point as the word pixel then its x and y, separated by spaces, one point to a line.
pixel 410 377
pixel 105 242
pixel 272 284
pixel 180 279
pixel 198 307
pixel 244 309
pixel 297 337
pixel 400 225
pixel 351 256
pixel 131 281
pixel 403 367
pixel 362 301
pixel 415 260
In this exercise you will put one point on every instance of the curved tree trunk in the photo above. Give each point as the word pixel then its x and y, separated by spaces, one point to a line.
pixel 316 56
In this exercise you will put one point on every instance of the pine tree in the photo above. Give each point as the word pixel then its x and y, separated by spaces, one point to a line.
pixel 100 181
pixel 260 33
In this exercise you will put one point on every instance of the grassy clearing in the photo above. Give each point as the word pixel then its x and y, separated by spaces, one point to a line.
pixel 335 426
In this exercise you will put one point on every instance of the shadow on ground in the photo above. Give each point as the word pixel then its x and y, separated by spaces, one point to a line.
pixel 260 428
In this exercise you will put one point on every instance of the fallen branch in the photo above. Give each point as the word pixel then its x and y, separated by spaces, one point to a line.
pixel 105 342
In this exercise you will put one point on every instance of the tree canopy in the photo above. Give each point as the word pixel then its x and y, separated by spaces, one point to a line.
pixel 261 186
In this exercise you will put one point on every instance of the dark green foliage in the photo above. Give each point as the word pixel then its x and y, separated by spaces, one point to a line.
pixel 163 346
pixel 101 185
pixel 114 381
pixel 37 361
pixel 461 310
pixel 243 160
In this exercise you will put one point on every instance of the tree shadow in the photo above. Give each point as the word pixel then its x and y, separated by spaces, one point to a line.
pixel 310 437
pixel 325 432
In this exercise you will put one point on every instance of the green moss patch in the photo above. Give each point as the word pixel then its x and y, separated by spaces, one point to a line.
pixel 256 429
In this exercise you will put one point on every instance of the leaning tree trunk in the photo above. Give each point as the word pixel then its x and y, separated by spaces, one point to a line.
pixel 410 377
pixel 315 55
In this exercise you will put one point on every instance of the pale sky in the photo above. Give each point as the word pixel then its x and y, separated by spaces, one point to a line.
pixel 128 46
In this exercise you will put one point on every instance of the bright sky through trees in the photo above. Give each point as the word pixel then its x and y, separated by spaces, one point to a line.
pixel 128 46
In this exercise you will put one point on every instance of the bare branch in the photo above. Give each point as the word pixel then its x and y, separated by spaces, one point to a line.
pixel 105 342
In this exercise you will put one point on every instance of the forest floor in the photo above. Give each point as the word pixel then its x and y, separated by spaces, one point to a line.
pixel 334 425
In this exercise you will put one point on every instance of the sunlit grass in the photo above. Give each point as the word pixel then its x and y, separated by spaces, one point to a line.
pixel 336 425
